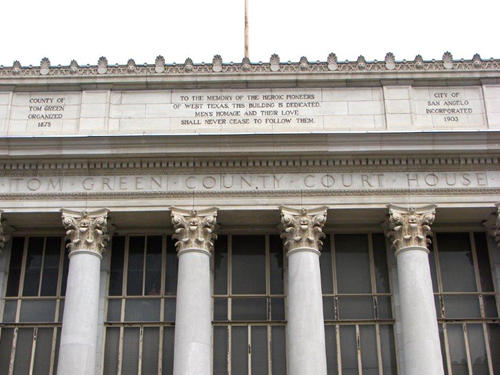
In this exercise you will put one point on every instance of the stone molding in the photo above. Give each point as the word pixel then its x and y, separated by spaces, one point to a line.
pixel 21 167
pixel 87 231
pixel 302 228
pixel 3 236
pixel 194 229
pixel 410 227
pixel 492 224
pixel 274 66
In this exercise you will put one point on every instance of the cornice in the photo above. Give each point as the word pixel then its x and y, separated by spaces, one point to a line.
pixel 124 166
pixel 274 67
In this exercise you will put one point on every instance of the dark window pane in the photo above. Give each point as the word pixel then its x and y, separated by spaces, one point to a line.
pixel 116 269
pixel 249 264
pixel 135 266
pixel 150 348
pixel 220 350
pixel 51 266
pixel 130 351
pixel 38 311
pixel 33 266
pixel 153 266
pixel 65 273
pixel 220 309
pixel 239 350
pixel 483 262
pixel 388 350
pixel 169 310
pixel 249 309
pixel 457 349
pixel 325 263
pixel 356 308
pixel 278 350
pixel 443 351
pixel 111 350
pixel 368 350
pixel 352 263
pixel 114 310
pixel 277 309
pixel 328 313
pixel 5 349
pixel 142 310
pixel 259 350
pixel 43 348
pixel 9 312
pixel 490 307
pixel 494 342
pixel 220 265
pixel 348 350
pixel 16 258
pixel 455 259
pixel 380 260
pixel 477 349
pixel 23 351
pixel 384 308
pixel 331 349
pixel 171 276
pixel 464 306
pixel 168 351
pixel 276 264
pixel 56 354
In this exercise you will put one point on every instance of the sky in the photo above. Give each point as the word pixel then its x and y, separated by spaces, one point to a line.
pixel 63 30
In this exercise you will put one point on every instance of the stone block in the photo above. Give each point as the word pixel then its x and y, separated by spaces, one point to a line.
pixel 365 108
pixel 397 106
pixel 396 92
pixel 146 97
pixel 93 97
pixel 128 111
pixel 94 110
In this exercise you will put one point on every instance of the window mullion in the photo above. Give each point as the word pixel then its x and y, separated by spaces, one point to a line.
pixel 467 348
pixel 477 275
pixel 33 350
pixel 488 349
pixel 42 265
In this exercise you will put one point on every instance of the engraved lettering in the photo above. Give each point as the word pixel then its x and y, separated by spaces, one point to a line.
pixel 431 179
pixel 34 184
pixel 88 183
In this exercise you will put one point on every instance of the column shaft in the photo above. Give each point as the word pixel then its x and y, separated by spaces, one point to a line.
pixel 305 330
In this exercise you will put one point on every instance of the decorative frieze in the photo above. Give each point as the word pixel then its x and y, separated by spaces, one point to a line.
pixel 410 227
pixel 86 230
pixel 302 228
pixel 194 229
pixel 492 224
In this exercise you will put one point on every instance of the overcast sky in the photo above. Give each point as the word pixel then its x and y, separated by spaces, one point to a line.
pixel 87 29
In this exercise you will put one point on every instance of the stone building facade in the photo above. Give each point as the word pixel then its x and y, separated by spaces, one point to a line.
pixel 240 218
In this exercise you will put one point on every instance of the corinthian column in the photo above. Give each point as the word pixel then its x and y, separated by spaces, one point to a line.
pixel 492 224
pixel 409 231
pixel 302 234
pixel 194 232
pixel 87 236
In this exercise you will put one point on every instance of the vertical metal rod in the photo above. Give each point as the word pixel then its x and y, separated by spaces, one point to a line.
pixel 246 28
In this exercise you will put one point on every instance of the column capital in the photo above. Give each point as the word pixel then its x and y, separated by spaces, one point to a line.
pixel 410 227
pixel 302 228
pixel 3 235
pixel 87 231
pixel 492 224
pixel 194 229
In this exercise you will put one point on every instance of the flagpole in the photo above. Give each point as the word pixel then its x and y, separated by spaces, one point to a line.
pixel 246 28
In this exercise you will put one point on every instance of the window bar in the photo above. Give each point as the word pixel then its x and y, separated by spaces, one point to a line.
pixel 379 349
pixel 141 340
pixel 249 342
pixel 335 302
pixel 162 301
pixel 21 279
pixel 33 349
pixel 339 354
pixel 488 349
pixel 144 252
pixel 122 305
pixel 269 349
pixel 42 264
pixel 447 349
pixel 268 301
pixel 373 281
pixel 438 276
pixel 467 347
pixel 358 349
pixel 13 349
pixel 476 274
pixel 229 300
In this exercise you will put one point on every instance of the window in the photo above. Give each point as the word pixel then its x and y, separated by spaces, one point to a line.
pixel 141 306
pixel 33 306
pixel 249 306
pixel 357 305
pixel 465 304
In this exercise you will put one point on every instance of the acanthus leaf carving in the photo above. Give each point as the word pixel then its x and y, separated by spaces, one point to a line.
pixel 302 228
pixel 332 62
pixel 390 61
pixel 217 64
pixel 194 229
pixel 102 65
pixel 86 230
pixel 44 66
pixel 448 60
pixel 409 227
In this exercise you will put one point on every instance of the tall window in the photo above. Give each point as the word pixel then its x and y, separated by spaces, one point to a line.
pixel 33 306
pixel 141 306
pixel 249 308
pixel 357 305
pixel 465 303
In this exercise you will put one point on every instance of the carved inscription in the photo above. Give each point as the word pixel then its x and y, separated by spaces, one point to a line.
pixel 331 182
pixel 451 105
pixel 247 109
pixel 43 110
